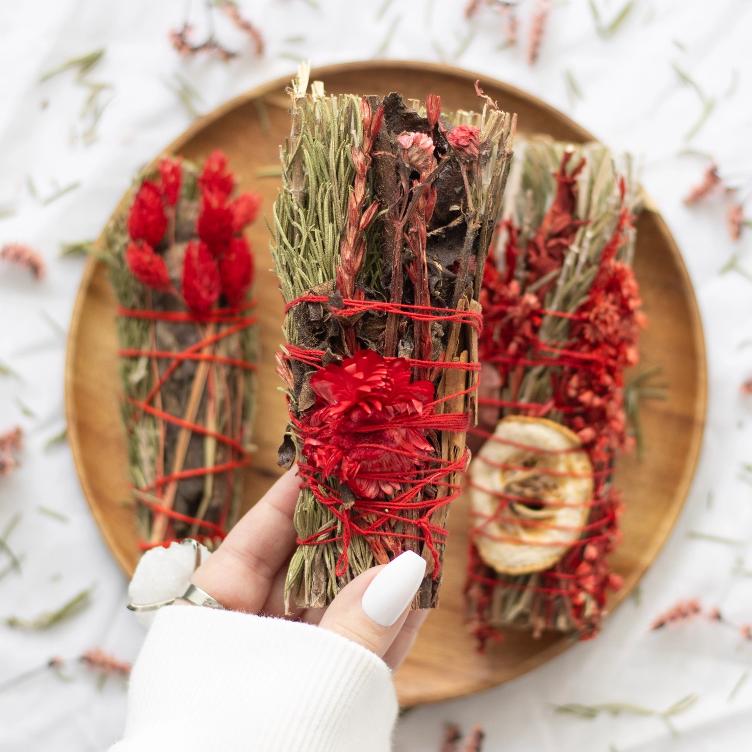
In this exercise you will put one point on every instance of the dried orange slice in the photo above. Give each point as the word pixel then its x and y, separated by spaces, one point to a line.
pixel 530 495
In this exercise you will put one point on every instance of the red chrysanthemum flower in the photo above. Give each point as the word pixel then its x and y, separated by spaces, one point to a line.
pixel 465 139
pixel 147 219
pixel 147 266
pixel 362 428
pixel 215 222
pixel 201 281
pixel 245 209
pixel 216 178
pixel 170 175
pixel 236 271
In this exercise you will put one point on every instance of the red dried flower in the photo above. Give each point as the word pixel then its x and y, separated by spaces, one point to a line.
pixel 10 446
pixel 170 175
pixel 216 178
pixel 147 219
pixel 465 140
pixel 245 209
pixel 710 179
pixel 735 220
pixel 236 271
pixel 361 429
pixel 201 281
pixel 215 222
pixel 147 266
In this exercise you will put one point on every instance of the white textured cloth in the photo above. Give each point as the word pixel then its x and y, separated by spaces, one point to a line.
pixel 631 99
pixel 209 679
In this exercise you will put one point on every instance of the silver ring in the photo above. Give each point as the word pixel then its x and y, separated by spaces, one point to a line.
pixel 193 594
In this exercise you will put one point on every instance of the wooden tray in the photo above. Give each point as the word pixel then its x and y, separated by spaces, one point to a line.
pixel 249 129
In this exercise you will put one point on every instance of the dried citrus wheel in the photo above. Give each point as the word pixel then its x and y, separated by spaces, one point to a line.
pixel 531 491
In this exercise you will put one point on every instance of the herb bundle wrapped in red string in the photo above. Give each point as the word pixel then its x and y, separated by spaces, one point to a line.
pixel 381 229
pixel 561 313
pixel 182 272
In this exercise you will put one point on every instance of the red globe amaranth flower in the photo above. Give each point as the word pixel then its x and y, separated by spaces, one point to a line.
pixel 170 175
pixel 245 209
pixel 215 222
pixel 201 281
pixel 147 267
pixel 216 178
pixel 147 219
pixel 465 139
pixel 236 271
pixel 362 429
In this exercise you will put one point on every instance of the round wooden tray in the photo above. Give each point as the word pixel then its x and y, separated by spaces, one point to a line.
pixel 249 129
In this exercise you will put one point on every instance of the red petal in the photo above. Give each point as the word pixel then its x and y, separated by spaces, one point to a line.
pixel 236 271
pixel 245 209
pixel 147 267
pixel 201 281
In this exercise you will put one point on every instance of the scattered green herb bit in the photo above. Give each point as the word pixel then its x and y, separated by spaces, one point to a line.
pixel 15 560
pixel 387 40
pixel 711 538
pixel 82 64
pixel 740 682
pixel 293 56
pixel 58 438
pixel 440 51
pixel 31 187
pixel 733 265
pixel 608 29
pixel 59 516
pixel 381 12
pixel 26 411
pixel 188 95
pixel 294 39
pixel 637 595
pixel 620 708
pixel 707 102
pixel 574 92
pixel 733 84
pixel 93 109
pixel 6 370
pixel 53 323
pixel 59 193
pixel 49 619
pixel 679 45
pixel 710 500
pixel 7 210
pixel 77 248
pixel 464 43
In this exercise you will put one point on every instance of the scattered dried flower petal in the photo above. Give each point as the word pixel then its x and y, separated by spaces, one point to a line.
pixel 24 255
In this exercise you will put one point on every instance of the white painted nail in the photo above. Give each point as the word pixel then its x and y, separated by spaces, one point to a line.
pixel 391 591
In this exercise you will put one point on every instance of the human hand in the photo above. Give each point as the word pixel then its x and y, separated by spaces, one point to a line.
pixel 247 573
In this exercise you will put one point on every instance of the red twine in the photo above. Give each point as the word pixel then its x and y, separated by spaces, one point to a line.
pixel 382 456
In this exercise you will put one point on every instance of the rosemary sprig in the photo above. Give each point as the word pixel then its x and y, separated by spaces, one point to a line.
pixel 605 28
pixel 707 102
pixel 53 513
pixel 639 389
pixel 625 708
pixel 47 619
pixel 188 95
pixel 82 64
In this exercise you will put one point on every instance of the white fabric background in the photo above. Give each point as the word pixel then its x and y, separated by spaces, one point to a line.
pixel 632 100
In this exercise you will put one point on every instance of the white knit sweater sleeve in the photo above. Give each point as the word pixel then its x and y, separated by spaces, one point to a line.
pixel 209 679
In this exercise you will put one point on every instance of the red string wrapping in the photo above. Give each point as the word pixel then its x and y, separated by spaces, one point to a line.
pixel 373 518
pixel 151 495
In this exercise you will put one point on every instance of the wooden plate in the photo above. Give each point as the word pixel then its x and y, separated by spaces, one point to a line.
pixel 249 129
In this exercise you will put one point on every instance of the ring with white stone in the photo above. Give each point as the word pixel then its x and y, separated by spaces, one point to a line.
pixel 163 575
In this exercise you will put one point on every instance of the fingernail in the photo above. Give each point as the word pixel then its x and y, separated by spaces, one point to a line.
pixel 391 591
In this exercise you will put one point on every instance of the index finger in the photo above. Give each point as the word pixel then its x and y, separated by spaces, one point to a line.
pixel 241 572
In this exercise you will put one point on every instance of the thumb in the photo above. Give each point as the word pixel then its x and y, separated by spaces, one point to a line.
pixel 372 608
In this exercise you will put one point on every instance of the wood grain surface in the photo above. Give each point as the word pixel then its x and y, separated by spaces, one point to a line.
pixel 249 129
